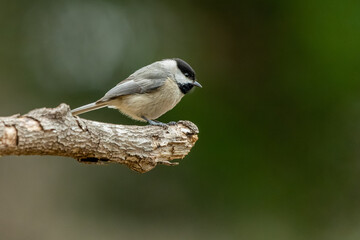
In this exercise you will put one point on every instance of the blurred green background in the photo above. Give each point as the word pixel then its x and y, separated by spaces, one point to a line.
pixel 279 111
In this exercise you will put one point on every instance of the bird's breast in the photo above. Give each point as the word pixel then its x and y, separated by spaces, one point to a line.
pixel 152 104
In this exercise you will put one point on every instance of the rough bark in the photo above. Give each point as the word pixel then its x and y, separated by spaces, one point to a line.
pixel 54 131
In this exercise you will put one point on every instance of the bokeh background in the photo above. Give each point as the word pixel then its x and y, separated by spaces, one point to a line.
pixel 279 113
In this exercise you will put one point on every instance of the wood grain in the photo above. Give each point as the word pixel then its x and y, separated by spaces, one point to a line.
pixel 54 131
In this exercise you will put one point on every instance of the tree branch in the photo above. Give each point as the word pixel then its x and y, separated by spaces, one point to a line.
pixel 54 131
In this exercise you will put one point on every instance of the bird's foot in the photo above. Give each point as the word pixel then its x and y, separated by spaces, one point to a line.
pixel 172 123
pixel 154 122
pixel 158 123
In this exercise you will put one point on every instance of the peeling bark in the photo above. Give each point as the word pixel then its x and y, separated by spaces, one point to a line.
pixel 54 131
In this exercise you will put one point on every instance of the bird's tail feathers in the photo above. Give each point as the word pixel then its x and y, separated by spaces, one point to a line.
pixel 87 108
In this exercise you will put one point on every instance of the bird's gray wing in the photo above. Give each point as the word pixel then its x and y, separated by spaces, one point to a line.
pixel 144 80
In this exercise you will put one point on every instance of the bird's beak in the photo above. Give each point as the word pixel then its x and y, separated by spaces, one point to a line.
pixel 195 83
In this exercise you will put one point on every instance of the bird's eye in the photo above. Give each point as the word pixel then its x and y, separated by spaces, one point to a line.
pixel 186 74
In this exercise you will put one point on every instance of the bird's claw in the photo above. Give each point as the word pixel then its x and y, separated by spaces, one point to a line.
pixel 158 123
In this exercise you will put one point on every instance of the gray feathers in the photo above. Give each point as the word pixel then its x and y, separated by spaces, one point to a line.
pixel 87 108
pixel 149 92
pixel 143 80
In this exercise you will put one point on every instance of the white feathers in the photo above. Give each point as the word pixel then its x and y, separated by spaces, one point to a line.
pixel 171 66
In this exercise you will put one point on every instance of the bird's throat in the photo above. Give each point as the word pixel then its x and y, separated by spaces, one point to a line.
pixel 185 88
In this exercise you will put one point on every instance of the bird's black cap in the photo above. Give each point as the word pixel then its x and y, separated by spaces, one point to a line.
pixel 185 68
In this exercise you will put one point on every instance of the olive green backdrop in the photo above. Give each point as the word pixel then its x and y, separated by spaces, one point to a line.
pixel 279 113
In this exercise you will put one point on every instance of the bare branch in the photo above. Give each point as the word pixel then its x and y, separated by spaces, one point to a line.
pixel 54 131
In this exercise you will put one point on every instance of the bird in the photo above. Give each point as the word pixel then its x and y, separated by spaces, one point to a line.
pixel 149 92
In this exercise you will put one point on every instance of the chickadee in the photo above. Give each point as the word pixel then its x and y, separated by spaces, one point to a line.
pixel 149 92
